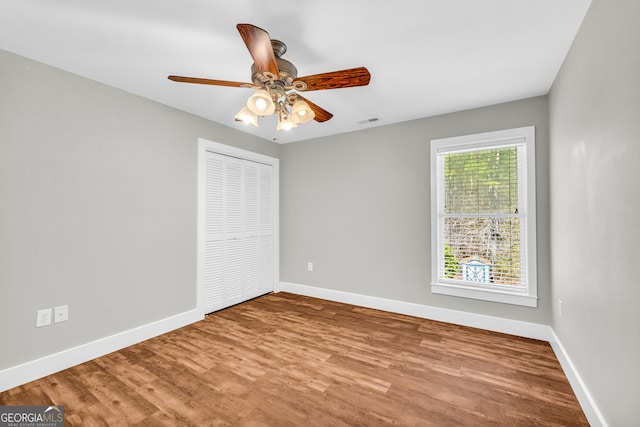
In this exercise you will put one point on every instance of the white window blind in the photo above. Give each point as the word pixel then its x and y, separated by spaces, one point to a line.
pixel 482 229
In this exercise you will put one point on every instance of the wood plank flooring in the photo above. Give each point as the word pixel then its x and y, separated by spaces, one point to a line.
pixel 289 360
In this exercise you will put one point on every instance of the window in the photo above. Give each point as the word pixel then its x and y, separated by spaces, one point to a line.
pixel 483 216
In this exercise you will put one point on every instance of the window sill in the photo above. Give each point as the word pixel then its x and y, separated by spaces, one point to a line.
pixel 485 294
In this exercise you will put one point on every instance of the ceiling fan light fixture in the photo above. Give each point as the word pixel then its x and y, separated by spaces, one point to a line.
pixel 275 78
pixel 260 103
pixel 301 112
pixel 245 115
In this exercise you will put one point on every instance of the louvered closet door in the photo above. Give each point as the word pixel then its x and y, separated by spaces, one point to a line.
pixel 239 231
pixel 266 229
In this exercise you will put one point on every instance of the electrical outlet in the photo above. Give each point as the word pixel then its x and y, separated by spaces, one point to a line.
pixel 43 317
pixel 309 266
pixel 60 314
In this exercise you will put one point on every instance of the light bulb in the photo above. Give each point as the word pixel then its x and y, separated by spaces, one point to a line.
pixel 261 104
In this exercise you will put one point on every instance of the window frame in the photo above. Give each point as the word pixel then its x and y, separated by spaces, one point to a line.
pixel 526 295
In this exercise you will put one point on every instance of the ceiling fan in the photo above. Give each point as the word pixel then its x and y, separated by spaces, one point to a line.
pixel 277 82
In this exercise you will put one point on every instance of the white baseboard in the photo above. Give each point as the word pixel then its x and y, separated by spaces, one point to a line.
pixel 47 365
pixel 497 324
pixel 589 407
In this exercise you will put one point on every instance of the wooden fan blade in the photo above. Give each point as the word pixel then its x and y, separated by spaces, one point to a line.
pixel 259 44
pixel 209 81
pixel 321 115
pixel 336 79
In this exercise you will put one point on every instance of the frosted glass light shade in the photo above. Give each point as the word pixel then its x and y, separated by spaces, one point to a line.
pixel 247 116
pixel 301 113
pixel 260 103
pixel 285 123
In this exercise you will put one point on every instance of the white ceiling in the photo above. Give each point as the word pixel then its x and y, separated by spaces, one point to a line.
pixel 426 57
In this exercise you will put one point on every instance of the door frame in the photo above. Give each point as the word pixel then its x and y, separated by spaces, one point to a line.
pixel 205 146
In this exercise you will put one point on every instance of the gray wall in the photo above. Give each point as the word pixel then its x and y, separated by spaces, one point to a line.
pixel 358 206
pixel 97 207
pixel 595 172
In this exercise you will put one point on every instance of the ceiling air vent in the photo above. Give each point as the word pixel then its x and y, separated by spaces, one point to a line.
pixel 371 120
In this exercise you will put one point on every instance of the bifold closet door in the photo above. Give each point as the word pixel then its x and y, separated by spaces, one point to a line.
pixel 239 231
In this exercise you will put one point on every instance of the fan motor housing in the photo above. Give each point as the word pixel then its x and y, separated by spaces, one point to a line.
pixel 288 71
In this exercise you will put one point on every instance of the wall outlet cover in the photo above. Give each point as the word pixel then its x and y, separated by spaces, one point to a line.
pixel 43 317
pixel 61 314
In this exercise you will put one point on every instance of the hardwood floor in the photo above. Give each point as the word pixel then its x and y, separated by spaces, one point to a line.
pixel 289 360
